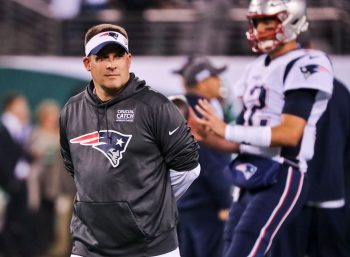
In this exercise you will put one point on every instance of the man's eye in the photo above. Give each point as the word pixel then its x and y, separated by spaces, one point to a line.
pixel 101 57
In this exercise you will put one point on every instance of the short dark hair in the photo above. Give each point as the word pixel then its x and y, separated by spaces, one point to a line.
pixel 102 28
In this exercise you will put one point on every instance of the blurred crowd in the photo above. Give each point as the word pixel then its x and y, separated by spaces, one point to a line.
pixel 70 8
pixel 36 193
pixel 211 19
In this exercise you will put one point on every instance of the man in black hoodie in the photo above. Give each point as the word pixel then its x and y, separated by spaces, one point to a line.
pixel 130 152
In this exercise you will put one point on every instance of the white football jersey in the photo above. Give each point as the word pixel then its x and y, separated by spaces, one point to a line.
pixel 262 90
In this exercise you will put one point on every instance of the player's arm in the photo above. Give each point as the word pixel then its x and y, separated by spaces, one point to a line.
pixel 297 109
pixel 218 143
pixel 289 132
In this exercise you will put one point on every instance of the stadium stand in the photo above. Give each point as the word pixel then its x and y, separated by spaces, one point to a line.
pixel 30 28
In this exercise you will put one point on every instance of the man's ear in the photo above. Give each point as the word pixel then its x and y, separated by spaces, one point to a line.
pixel 202 86
pixel 129 59
pixel 86 62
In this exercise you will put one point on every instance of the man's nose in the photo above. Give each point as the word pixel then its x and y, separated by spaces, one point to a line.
pixel 260 27
pixel 111 64
pixel 263 26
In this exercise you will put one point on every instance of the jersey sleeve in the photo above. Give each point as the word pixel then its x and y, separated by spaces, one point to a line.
pixel 174 138
pixel 313 71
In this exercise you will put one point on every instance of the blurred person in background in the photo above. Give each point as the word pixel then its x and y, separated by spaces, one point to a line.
pixel 216 100
pixel 69 9
pixel 94 5
pixel 284 92
pixel 45 179
pixel 15 236
pixel 65 9
pixel 131 155
pixel 62 244
pixel 140 6
pixel 203 209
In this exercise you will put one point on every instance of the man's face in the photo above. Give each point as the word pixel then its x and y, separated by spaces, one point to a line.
pixel 266 27
pixel 20 109
pixel 212 88
pixel 109 68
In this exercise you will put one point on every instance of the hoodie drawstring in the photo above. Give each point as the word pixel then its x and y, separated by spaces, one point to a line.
pixel 99 123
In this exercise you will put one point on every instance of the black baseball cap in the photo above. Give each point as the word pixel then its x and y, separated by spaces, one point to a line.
pixel 197 69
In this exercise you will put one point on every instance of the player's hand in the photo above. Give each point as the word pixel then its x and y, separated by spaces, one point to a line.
pixel 223 214
pixel 210 120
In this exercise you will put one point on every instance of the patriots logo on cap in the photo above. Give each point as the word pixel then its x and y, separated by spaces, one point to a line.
pixel 111 34
pixel 247 169
pixel 311 69
pixel 111 144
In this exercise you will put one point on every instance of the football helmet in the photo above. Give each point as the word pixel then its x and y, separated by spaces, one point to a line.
pixel 291 15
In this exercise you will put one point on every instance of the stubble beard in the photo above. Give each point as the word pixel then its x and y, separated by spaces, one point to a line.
pixel 112 91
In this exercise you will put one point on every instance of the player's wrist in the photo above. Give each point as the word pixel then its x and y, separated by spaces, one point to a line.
pixel 258 136
pixel 222 130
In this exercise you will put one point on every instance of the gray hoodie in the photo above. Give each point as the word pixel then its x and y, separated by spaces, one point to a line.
pixel 119 153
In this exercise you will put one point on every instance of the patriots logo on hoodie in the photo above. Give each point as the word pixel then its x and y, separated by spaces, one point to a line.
pixel 111 144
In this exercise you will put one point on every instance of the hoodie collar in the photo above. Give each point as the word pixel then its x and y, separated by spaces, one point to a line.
pixel 132 87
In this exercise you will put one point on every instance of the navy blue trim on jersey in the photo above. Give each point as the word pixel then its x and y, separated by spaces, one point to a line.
pixel 240 117
pixel 267 61
pixel 299 102
pixel 289 67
